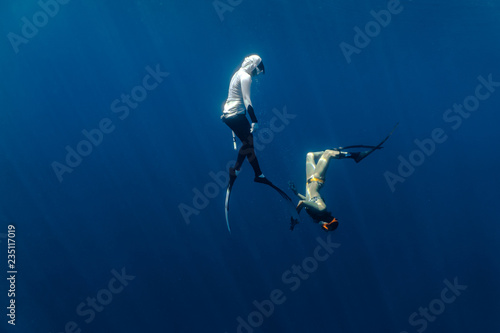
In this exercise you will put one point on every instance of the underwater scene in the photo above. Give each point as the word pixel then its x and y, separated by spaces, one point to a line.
pixel 249 166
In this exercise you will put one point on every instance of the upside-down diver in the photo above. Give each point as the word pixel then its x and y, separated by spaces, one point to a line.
pixel 315 179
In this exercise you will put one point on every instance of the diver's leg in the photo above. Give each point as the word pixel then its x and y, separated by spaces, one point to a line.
pixel 311 163
pixel 241 128
pixel 249 151
pixel 324 162
pixel 317 154
pixel 252 159
pixel 239 159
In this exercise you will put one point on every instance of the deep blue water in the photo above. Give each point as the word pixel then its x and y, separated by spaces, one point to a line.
pixel 406 232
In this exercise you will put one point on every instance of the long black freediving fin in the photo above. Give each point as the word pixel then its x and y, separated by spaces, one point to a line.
pixel 364 154
pixel 228 195
pixel 290 205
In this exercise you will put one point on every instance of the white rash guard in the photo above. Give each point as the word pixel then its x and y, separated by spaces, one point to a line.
pixel 238 98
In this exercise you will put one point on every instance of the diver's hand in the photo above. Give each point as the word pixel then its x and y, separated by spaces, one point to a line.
pixel 292 187
pixel 254 127
pixel 293 223
pixel 299 206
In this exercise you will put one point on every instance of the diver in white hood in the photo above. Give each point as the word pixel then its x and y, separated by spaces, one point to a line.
pixel 238 103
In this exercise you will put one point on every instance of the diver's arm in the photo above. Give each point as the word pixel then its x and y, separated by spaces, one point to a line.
pixel 301 197
pixel 251 113
pixel 292 187
pixel 246 82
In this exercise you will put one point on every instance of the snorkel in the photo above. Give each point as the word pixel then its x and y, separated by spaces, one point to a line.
pixel 330 226
pixel 253 65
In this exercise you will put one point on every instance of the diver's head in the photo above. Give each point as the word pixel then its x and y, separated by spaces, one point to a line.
pixel 325 219
pixel 253 65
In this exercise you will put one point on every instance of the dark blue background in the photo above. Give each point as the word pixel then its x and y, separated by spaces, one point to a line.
pixel 120 207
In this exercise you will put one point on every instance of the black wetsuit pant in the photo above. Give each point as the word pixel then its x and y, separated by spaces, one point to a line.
pixel 241 127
